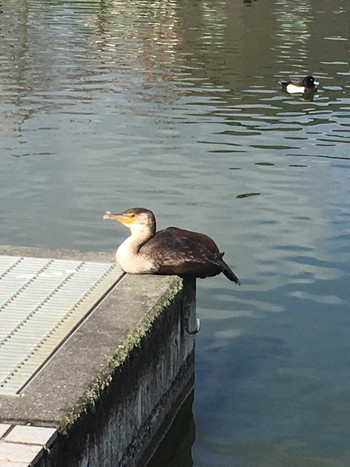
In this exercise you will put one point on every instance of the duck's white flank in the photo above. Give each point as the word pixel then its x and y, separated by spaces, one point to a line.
pixel 293 89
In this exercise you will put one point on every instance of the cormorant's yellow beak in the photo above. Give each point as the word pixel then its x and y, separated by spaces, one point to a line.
pixel 122 218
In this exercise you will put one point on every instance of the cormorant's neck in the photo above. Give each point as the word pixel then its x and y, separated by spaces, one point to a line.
pixel 128 255
pixel 139 237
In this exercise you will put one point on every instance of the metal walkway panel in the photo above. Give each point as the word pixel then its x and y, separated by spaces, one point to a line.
pixel 41 302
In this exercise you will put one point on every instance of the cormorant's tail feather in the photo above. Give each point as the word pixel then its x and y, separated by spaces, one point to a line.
pixel 225 268
pixel 229 273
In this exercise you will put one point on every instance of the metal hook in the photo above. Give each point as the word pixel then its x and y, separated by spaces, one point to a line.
pixel 197 329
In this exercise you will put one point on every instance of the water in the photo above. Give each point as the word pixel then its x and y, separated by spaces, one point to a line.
pixel 175 106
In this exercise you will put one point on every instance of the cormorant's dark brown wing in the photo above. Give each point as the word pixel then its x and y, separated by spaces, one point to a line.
pixel 182 252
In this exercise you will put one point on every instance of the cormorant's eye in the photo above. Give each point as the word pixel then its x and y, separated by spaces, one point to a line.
pixel 130 214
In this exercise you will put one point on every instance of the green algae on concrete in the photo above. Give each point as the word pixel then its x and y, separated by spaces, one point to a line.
pixel 133 340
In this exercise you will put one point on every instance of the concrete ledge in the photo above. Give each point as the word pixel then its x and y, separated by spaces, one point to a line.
pixel 57 253
pixel 115 384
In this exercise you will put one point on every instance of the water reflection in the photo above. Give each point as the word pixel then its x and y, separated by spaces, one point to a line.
pixel 175 448
pixel 176 106
pixel 293 34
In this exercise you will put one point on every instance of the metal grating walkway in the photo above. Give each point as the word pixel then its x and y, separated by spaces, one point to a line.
pixel 41 302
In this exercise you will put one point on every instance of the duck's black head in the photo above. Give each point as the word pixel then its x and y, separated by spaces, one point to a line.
pixel 309 82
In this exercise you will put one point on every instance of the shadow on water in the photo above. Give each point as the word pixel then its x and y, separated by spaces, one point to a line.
pixel 175 448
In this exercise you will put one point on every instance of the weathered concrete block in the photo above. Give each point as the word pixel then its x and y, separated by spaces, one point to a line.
pixel 114 386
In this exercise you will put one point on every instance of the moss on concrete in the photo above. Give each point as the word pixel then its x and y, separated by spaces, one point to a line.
pixel 133 341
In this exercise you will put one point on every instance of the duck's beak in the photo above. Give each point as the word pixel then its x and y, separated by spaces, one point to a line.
pixel 316 83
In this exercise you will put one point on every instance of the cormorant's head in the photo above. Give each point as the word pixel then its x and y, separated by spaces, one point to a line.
pixel 136 219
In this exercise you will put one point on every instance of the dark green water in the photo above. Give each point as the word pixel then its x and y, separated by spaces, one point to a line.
pixel 175 106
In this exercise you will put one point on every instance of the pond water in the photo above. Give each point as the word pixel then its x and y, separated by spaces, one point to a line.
pixel 175 105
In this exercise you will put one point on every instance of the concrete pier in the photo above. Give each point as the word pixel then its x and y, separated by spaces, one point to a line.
pixel 94 364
